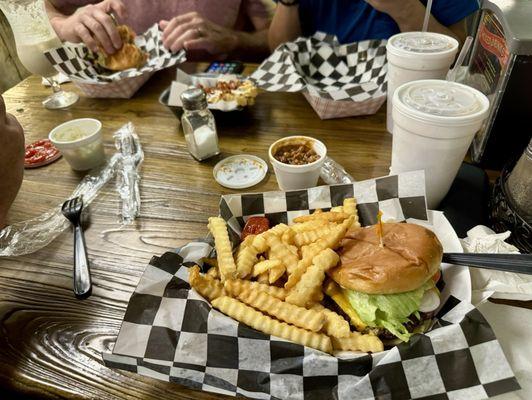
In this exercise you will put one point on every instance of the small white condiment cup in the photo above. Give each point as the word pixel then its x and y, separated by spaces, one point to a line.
pixel 84 153
pixel 294 177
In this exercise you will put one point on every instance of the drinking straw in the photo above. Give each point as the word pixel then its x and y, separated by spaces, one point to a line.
pixel 451 75
pixel 427 16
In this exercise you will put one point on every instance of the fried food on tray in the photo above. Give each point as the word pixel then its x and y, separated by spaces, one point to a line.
pixel 276 273
pixel 335 325
pixel 246 257
pixel 237 286
pixel 328 216
pixel 350 207
pixel 270 326
pixel 308 252
pixel 129 55
pixel 205 285
pixel 326 232
pixel 302 293
pixel 356 341
pixel 214 273
pixel 265 265
pixel 277 250
pixel 312 320
pixel 243 92
pixel 276 279
pixel 264 278
pixel 224 252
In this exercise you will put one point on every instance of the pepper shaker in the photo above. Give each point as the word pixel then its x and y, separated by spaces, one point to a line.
pixel 519 184
pixel 198 124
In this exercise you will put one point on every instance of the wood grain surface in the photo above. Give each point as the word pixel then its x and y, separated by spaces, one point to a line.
pixel 51 343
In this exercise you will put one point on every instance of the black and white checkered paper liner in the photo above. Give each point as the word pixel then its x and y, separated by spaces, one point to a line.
pixel 171 333
pixel 325 68
pixel 74 60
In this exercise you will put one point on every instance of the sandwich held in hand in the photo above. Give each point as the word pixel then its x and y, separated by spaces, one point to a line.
pixel 128 56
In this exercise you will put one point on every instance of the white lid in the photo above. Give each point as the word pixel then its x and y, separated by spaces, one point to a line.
pixel 422 42
pixel 441 100
pixel 240 172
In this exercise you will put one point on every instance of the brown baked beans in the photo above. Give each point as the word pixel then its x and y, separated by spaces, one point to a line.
pixel 296 154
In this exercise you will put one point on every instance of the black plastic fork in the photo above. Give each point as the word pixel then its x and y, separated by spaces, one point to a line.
pixel 82 279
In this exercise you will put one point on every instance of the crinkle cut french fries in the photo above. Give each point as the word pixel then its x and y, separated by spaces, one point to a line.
pixel 275 281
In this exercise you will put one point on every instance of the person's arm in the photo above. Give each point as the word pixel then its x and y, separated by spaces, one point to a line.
pixel 254 45
pixel 285 25
pixel 409 15
pixel 90 24
pixel 191 31
pixel 249 44
pixel 11 161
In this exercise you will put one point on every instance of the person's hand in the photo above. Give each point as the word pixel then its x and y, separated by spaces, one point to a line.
pixel 11 160
pixel 193 32
pixel 93 26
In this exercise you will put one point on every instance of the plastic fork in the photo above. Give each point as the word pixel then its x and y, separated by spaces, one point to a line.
pixel 82 279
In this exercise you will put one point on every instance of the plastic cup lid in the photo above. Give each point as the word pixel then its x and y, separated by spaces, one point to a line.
pixel 423 42
pixel 240 172
pixel 442 98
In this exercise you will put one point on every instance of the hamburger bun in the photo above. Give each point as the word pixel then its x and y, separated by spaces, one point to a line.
pixel 410 256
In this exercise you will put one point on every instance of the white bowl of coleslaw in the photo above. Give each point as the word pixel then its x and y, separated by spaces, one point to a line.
pixel 80 141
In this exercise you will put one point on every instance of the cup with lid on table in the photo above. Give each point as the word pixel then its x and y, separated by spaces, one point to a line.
pixel 433 121
pixel 434 124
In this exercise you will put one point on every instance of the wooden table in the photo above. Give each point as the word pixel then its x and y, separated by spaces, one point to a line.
pixel 51 343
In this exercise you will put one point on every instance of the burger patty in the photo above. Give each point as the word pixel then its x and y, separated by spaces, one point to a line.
pixel 385 335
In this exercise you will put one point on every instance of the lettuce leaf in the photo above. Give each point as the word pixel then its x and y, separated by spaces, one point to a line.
pixel 389 311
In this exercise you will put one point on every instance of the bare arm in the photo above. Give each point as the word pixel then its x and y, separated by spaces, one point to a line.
pixel 249 44
pixel 253 44
pixel 192 31
pixel 285 25
pixel 409 15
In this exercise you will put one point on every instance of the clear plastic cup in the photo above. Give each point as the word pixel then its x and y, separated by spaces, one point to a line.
pixel 294 177
pixel 417 55
pixel 434 124
pixel 80 141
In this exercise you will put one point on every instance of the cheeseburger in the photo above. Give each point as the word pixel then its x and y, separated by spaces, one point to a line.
pixel 388 287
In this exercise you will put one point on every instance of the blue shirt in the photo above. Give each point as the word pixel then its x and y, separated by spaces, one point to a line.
pixel 355 20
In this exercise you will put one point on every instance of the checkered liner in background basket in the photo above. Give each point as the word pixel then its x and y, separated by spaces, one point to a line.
pixel 338 80
pixel 171 333
pixel 74 60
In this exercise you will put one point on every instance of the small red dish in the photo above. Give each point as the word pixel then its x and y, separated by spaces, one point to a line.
pixel 40 153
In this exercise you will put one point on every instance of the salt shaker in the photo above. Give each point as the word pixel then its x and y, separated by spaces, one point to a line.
pixel 198 124
pixel 519 184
